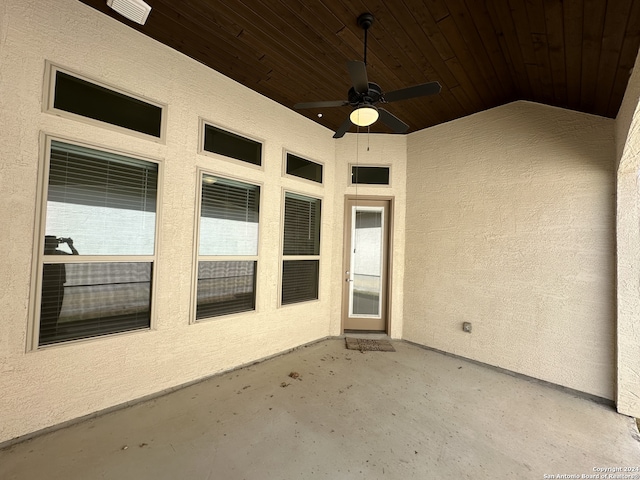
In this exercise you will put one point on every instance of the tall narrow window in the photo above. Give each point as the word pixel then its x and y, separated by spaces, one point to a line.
pixel 301 248
pixel 227 247
pixel 99 244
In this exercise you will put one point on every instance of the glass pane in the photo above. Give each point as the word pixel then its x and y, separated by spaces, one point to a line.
pixel 301 225
pixel 231 145
pixel 300 280
pixel 106 203
pixel 225 287
pixel 366 262
pixel 93 101
pixel 370 175
pixel 302 168
pixel 81 300
pixel 228 217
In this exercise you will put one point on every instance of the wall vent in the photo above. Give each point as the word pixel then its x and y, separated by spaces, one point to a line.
pixel 135 10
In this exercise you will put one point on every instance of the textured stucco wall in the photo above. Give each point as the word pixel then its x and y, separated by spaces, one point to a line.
pixel 627 112
pixel 53 385
pixel 510 225
pixel 628 248
pixel 373 150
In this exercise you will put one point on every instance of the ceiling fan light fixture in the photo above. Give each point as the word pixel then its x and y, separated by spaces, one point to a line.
pixel 364 116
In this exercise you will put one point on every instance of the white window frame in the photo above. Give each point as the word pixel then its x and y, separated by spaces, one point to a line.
pixel 49 98
pixel 33 329
pixel 197 258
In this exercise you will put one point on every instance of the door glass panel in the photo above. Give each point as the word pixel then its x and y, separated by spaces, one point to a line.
pixel 365 290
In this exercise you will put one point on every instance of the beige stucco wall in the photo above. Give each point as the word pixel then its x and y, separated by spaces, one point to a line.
pixel 510 226
pixel 507 217
pixel 627 112
pixel 56 384
pixel 372 150
pixel 628 249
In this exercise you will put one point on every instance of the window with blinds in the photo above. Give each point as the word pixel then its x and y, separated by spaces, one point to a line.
pixel 229 216
pixel 98 204
pixel 301 248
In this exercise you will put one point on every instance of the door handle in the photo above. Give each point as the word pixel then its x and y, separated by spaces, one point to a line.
pixel 347 279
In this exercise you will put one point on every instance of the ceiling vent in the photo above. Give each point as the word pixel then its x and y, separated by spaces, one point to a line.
pixel 135 10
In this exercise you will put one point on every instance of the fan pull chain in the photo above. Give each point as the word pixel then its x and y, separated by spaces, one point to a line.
pixel 357 164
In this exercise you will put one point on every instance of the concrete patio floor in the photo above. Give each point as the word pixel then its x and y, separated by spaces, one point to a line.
pixel 412 414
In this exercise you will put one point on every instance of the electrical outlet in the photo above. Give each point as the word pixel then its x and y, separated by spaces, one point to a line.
pixel 466 327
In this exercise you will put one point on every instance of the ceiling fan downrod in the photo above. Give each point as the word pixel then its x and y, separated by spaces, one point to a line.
pixel 365 20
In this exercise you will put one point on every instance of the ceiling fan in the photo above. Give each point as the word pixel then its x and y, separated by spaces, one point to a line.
pixel 363 96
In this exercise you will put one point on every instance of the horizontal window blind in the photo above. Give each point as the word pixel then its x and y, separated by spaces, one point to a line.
pixel 82 300
pixel 229 216
pixel 230 200
pixel 225 287
pixel 299 280
pixel 91 177
pixel 368 219
pixel 106 202
pixel 301 225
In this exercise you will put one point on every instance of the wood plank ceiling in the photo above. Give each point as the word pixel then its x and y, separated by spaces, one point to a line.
pixel 575 54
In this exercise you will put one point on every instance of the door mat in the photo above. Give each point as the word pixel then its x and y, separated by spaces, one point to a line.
pixel 367 345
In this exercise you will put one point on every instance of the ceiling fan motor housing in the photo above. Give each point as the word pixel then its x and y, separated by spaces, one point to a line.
pixel 364 95
pixel 373 95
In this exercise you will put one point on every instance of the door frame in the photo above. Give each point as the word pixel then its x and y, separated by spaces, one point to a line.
pixel 346 260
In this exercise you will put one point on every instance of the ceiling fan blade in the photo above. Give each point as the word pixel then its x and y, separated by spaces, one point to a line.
pixel 343 129
pixel 430 88
pixel 329 103
pixel 392 121
pixel 358 74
